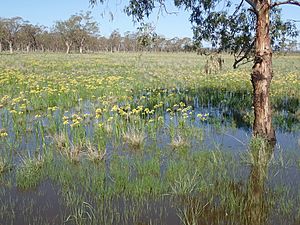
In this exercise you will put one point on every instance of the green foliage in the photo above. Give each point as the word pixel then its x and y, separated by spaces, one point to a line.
pixel 230 28
pixel 77 28
pixel 146 35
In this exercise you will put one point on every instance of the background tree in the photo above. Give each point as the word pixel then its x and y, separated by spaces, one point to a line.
pixel 87 27
pixel 127 41
pixel 290 46
pixel 67 30
pixel 41 38
pixel 146 36
pixel 103 44
pixel 28 35
pixel 115 41
pixel 240 30
pixel 10 30
pixel 2 34
pixel 76 29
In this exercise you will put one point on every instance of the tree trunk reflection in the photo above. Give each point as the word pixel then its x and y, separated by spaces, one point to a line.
pixel 256 202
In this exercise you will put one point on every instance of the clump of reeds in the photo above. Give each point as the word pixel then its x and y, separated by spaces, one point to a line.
pixel 30 172
pixel 178 142
pixel 134 138
pixel 94 154
pixel 4 165
pixel 73 152
pixel 260 152
pixel 60 141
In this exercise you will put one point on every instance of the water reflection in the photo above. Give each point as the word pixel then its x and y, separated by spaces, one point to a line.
pixel 257 204
pixel 249 202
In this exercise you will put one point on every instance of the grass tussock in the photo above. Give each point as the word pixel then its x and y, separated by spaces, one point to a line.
pixel 134 138
pixel 94 154
pixel 5 165
pixel 30 173
pixel 179 142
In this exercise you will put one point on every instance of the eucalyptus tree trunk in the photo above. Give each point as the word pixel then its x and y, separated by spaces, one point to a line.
pixel 11 47
pixel 262 74
pixel 68 47
pixel 81 45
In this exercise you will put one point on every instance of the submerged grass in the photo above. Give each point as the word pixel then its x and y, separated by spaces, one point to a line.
pixel 70 121
pixel 202 186
pixel 31 172
pixel 5 165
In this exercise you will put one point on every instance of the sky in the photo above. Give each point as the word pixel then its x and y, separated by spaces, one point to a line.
pixel 46 12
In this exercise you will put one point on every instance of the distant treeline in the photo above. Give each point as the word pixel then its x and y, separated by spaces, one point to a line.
pixel 80 33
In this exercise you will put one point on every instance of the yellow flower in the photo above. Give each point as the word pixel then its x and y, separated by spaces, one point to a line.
pixel 75 123
pixel 98 113
pixel 3 133
pixel 199 115
pixel 115 108
pixel 151 121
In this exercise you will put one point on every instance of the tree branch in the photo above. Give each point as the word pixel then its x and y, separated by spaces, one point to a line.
pixel 252 3
pixel 246 55
pixel 162 5
pixel 289 2
pixel 295 21
pixel 238 8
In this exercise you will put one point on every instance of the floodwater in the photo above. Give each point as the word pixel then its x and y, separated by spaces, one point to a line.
pixel 44 204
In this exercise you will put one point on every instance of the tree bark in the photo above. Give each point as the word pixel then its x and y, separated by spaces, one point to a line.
pixel 68 47
pixel 81 45
pixel 10 47
pixel 27 48
pixel 262 74
pixel 0 47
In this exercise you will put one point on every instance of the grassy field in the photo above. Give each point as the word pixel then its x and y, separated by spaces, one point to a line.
pixel 122 139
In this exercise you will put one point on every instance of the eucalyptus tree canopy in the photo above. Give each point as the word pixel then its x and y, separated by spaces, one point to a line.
pixel 146 35
pixel 10 29
pixel 76 29
pixel 246 28
pixel 29 34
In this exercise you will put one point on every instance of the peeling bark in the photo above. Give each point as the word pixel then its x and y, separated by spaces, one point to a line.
pixel 262 74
